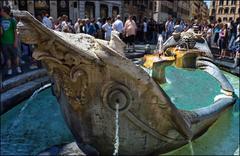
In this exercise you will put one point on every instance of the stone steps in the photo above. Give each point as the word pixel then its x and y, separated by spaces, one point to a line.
pixel 21 79
pixel 21 87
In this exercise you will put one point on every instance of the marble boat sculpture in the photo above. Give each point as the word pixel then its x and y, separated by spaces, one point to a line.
pixel 91 76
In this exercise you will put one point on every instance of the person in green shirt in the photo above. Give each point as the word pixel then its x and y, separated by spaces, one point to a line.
pixel 9 39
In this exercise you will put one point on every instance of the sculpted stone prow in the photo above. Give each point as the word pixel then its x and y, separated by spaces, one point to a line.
pixel 34 32
pixel 90 76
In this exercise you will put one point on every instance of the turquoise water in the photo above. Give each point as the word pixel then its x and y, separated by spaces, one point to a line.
pixel 40 125
pixel 223 137
pixel 190 90
pixel 35 128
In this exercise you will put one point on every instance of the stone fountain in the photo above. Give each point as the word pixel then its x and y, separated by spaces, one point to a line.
pixel 91 76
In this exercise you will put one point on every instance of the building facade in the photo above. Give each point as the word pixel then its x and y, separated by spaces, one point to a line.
pixel 74 8
pixel 199 10
pixel 139 9
pixel 176 8
pixel 204 12
pixel 194 10
pixel 226 10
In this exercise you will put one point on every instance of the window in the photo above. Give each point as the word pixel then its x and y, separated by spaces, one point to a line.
pixel 22 4
pixel 226 10
pixel 219 19
pixel 89 10
pixel 127 2
pixel 221 2
pixel 63 8
pixel 151 5
pixel 155 6
pixel 134 2
pixel 238 10
pixel 233 2
pixel 213 12
pixel 145 2
pixel 213 3
pixel 230 19
pixel 226 2
pixel 103 11
pixel 115 11
pixel 220 10
pixel 233 10
pixel 224 18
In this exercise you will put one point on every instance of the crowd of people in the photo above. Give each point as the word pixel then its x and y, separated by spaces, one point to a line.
pixel 223 36
pixel 100 28
pixel 226 37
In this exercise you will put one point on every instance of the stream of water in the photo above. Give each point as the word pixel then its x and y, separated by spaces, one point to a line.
pixel 191 147
pixel 34 95
pixel 116 144
pixel 18 118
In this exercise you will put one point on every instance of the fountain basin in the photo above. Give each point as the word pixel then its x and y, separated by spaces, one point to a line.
pixel 91 76
pixel 41 126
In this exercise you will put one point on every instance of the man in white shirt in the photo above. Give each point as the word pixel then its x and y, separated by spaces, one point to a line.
pixel 107 29
pixel 46 21
pixel 118 26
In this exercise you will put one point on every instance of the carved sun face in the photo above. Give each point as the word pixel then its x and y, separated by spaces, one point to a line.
pixel 189 38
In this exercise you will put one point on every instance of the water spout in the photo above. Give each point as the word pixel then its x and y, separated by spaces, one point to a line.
pixel 15 123
pixel 191 147
pixel 116 144
pixel 159 44
pixel 34 95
